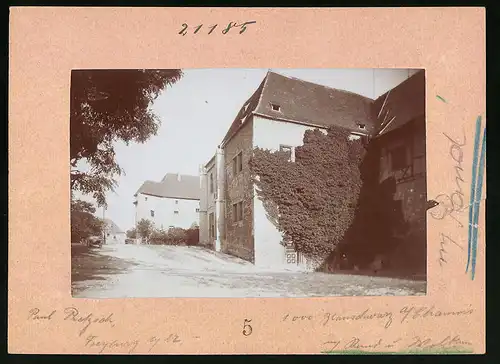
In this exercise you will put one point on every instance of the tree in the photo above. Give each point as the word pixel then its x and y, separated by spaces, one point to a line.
pixel 132 233
pixel 107 106
pixel 312 200
pixel 83 222
pixel 145 229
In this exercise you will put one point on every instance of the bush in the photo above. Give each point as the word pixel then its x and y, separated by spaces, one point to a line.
pixel 175 236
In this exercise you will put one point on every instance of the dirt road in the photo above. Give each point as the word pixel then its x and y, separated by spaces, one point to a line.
pixel 170 271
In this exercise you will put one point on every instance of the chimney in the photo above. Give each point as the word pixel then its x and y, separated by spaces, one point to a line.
pixel 178 177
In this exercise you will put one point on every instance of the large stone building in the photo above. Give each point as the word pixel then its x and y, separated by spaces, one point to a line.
pixel 172 202
pixel 233 219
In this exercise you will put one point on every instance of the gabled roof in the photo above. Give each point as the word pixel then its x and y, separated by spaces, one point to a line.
pixel 112 228
pixel 173 186
pixel 306 103
pixel 400 105
pixel 245 112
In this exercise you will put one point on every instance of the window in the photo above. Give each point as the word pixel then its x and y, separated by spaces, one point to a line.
pixel 211 183
pixel 197 210
pixel 145 198
pixel 238 163
pixel 176 202
pixel 288 150
pixel 275 107
pixel 152 212
pixel 238 211
pixel 176 212
pixel 362 126
pixel 398 158
pixel 211 225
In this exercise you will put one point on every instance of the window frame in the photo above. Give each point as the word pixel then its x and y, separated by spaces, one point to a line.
pixel 152 213
pixel 238 163
pixel 401 152
pixel 284 146
pixel 272 105
pixel 238 212
pixel 211 226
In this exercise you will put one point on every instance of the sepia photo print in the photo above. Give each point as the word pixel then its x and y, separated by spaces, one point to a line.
pixel 248 183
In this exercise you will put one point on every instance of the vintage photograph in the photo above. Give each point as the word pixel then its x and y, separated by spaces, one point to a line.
pixel 248 183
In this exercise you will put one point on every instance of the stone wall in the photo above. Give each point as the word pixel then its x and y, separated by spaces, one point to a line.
pixel 238 239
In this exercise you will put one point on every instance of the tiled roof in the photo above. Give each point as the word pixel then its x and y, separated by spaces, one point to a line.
pixel 112 228
pixel 400 105
pixel 306 102
pixel 173 186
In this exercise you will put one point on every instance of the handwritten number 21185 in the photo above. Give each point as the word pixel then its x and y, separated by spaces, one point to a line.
pixel 211 28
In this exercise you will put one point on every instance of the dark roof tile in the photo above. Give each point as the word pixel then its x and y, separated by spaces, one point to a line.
pixel 310 103
pixel 173 186
pixel 400 105
pixel 306 102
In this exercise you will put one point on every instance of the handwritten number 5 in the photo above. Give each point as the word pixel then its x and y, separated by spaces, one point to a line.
pixel 183 30
pixel 247 329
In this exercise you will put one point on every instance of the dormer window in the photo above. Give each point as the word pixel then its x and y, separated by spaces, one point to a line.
pixel 275 107
pixel 362 126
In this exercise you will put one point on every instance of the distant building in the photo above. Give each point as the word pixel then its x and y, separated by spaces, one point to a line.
pixel 172 202
pixel 113 234
pixel 276 116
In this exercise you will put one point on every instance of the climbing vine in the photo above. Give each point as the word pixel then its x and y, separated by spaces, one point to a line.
pixel 313 199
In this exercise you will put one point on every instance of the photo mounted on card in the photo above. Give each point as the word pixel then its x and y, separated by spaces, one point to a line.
pixel 193 172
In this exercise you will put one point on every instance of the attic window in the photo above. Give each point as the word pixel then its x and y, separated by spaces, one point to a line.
pixel 275 107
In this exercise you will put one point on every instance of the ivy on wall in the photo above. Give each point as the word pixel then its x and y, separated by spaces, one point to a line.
pixel 313 199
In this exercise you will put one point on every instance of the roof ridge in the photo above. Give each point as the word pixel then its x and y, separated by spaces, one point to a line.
pixel 264 84
pixel 406 81
pixel 317 84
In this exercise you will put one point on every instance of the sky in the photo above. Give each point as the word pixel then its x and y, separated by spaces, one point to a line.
pixel 196 113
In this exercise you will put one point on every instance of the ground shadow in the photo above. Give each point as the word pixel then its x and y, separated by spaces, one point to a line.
pixel 379 229
pixel 87 264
